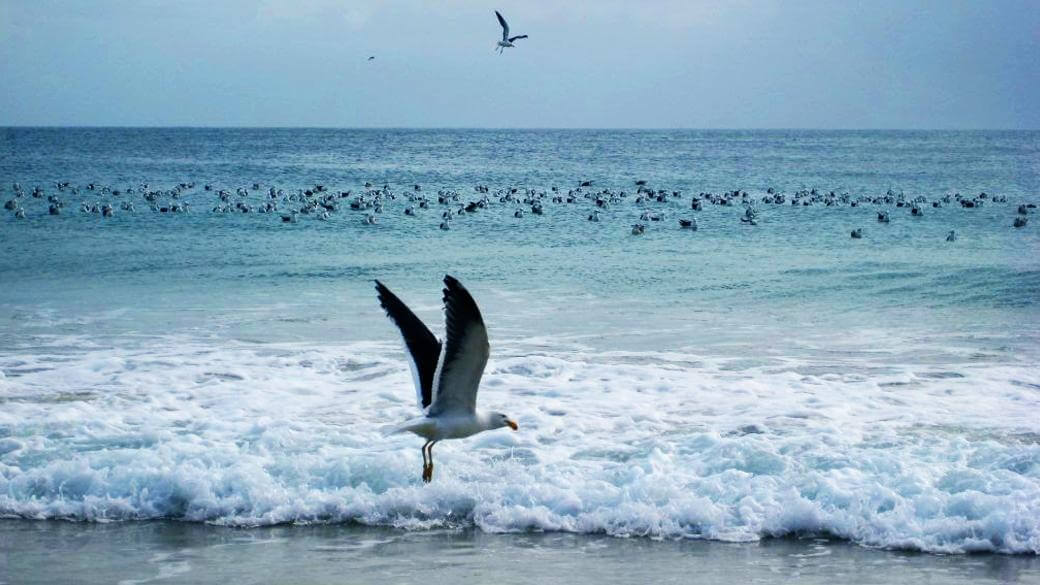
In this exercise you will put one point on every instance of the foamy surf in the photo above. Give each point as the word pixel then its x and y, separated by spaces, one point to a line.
pixel 659 445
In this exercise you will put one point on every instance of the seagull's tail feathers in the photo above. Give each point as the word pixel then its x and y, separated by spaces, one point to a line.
pixel 388 430
pixel 415 425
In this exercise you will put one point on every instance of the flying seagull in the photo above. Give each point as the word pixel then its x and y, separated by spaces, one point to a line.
pixel 372 58
pixel 446 377
pixel 507 41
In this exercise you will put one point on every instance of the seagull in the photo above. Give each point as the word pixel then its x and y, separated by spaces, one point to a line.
pixel 507 41
pixel 372 58
pixel 446 377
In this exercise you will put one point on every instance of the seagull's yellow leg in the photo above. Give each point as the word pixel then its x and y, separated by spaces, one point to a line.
pixel 427 472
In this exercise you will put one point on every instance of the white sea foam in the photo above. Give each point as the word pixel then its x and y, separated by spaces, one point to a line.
pixel 626 444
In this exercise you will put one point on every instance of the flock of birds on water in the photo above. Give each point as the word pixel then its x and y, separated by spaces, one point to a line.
pixel 451 206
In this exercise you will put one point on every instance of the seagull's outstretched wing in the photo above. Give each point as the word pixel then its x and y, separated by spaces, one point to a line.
pixel 505 26
pixel 465 352
pixel 511 39
pixel 423 347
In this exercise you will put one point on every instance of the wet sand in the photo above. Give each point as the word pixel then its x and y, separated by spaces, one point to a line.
pixel 176 552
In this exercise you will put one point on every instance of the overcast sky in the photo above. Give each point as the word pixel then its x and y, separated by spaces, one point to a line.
pixel 599 64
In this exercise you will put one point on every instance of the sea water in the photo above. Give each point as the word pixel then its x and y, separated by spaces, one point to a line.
pixel 734 383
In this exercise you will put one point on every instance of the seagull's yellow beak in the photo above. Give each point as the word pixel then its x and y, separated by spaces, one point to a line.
pixel 512 424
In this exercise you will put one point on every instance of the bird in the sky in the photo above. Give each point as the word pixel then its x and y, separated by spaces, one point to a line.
pixel 372 58
pixel 446 378
pixel 507 41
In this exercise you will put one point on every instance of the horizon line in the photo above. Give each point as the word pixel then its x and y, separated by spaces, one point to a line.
pixel 522 128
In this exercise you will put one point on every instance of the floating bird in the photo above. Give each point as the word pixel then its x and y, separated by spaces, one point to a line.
pixel 507 41
pixel 638 229
pixel 857 233
pixel 1020 222
pixel 952 236
pixel 446 377
pixel 688 224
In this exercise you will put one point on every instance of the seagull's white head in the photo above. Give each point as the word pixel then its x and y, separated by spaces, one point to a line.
pixel 498 420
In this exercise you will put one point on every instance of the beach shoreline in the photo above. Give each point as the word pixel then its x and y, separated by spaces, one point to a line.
pixel 53 551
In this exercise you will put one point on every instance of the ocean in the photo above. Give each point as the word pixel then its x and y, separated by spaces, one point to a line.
pixel 679 392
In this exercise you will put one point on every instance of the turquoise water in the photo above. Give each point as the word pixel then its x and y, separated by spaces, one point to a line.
pixel 797 265
pixel 732 383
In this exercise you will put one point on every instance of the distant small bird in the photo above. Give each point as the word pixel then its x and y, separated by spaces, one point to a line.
pixel 857 233
pixel 1020 222
pixel 372 58
pixel 507 41
pixel 688 224
pixel 952 236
